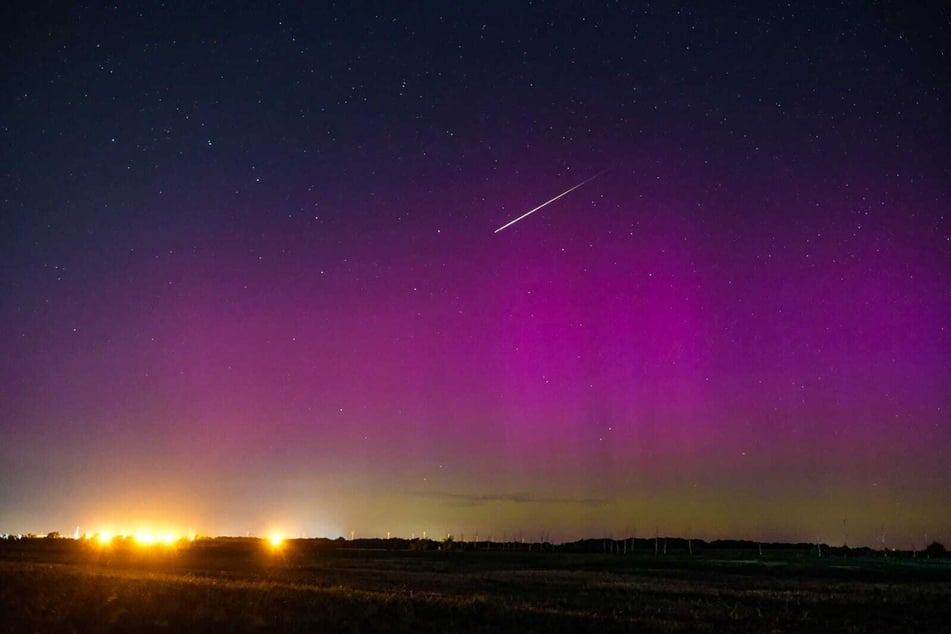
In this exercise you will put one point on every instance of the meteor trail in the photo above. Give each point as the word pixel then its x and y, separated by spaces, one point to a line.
pixel 567 191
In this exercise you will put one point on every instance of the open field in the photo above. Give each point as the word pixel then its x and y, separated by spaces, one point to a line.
pixel 244 585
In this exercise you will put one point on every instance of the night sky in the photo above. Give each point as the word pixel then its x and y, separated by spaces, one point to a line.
pixel 251 278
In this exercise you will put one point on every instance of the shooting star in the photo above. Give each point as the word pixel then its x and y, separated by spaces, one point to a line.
pixel 564 193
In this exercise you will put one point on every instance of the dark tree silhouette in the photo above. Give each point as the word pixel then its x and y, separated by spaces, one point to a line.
pixel 936 549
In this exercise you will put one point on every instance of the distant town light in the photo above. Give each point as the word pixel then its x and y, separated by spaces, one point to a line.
pixel 145 538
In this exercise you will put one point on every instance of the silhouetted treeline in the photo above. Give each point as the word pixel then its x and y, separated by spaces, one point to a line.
pixel 657 546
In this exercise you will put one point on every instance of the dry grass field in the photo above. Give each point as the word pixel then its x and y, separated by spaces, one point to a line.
pixel 240 585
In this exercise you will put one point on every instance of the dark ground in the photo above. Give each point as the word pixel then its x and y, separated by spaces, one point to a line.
pixel 242 585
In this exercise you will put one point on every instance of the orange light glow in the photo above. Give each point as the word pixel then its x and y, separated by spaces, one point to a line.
pixel 145 538
pixel 275 540
pixel 148 538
